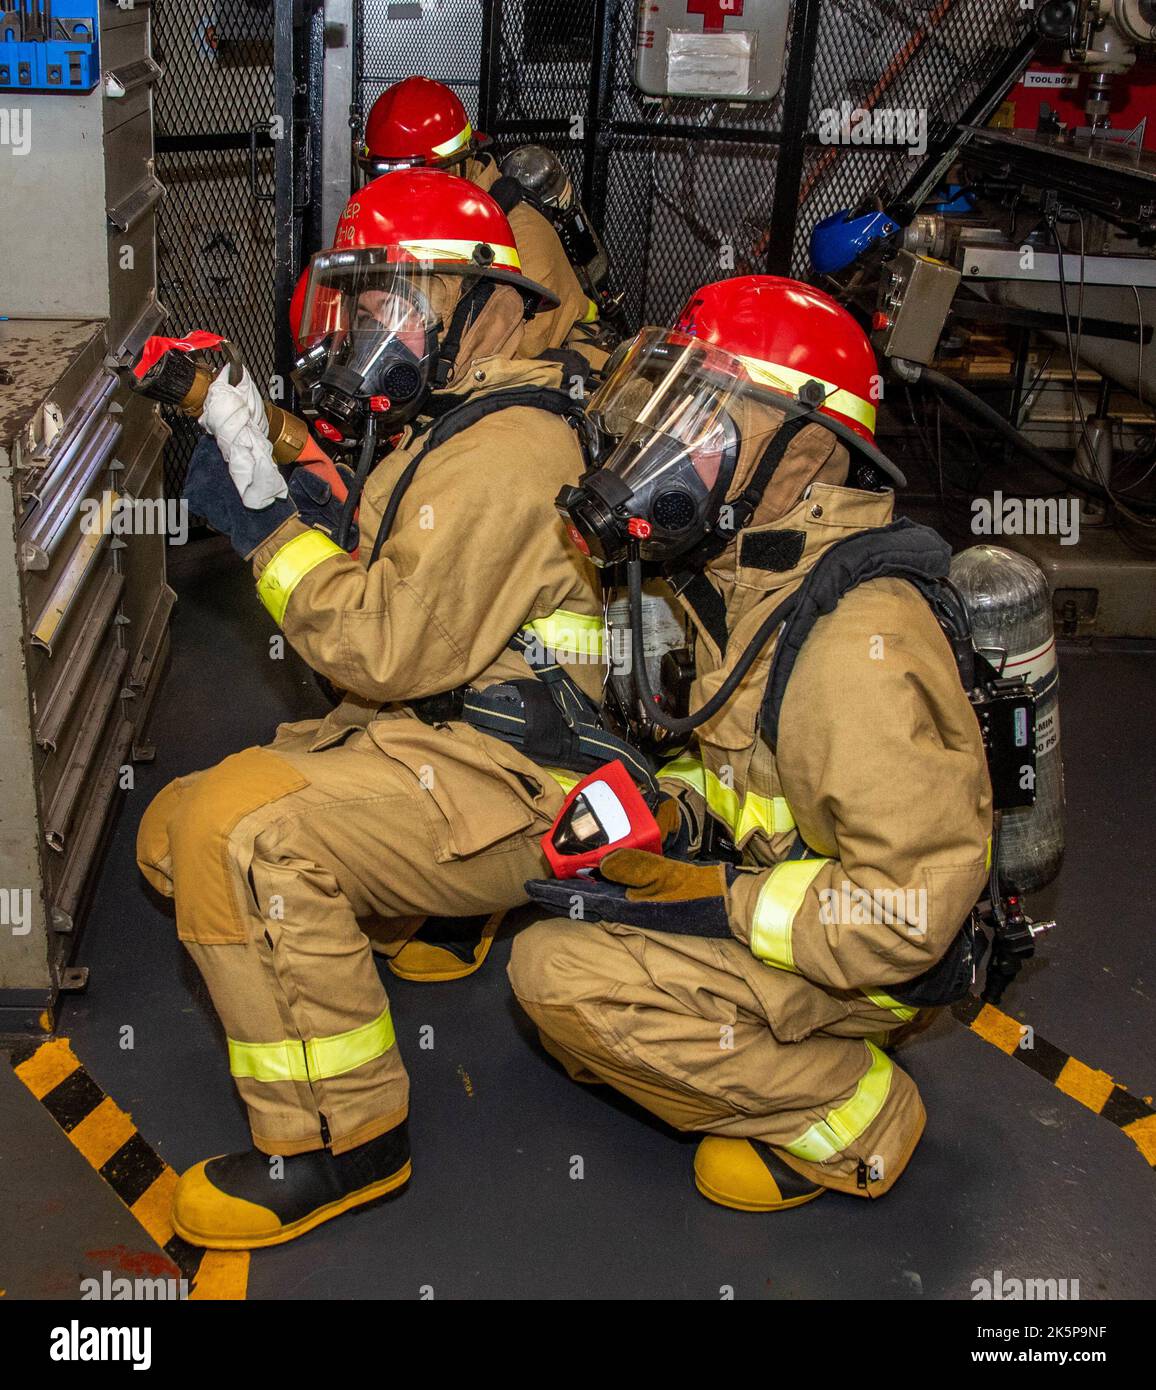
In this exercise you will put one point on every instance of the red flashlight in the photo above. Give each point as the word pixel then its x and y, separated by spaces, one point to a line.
pixel 604 812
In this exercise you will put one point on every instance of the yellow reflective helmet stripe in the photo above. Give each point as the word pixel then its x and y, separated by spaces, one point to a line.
pixel 576 634
pixel 839 398
pixel 885 1001
pixel 288 568
pixel 779 900
pixel 449 249
pixel 290 1060
pixel 455 144
pixel 847 1122
pixel 770 814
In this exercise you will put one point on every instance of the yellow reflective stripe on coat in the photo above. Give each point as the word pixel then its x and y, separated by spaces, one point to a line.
pixel 770 814
pixel 577 634
pixel 566 780
pixel 447 249
pixel 314 1060
pixel 451 146
pixel 779 900
pixel 885 1001
pixel 288 568
pixel 790 379
pixel 849 1121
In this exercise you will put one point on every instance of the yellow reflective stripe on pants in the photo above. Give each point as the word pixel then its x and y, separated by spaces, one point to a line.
pixel 779 900
pixel 577 634
pixel 885 1001
pixel 316 1059
pixel 288 568
pixel 770 814
pixel 847 1122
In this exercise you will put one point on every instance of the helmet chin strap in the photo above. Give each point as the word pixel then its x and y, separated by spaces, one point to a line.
pixel 475 293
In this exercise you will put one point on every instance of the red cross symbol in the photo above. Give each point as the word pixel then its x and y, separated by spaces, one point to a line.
pixel 714 12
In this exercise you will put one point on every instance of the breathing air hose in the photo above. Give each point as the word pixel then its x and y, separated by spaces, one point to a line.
pixel 650 705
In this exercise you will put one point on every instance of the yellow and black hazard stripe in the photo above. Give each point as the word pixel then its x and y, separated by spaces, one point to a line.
pixel 144 1182
pixel 1095 1090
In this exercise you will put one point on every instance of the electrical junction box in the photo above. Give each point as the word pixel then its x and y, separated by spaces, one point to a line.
pixel 915 296
pixel 717 50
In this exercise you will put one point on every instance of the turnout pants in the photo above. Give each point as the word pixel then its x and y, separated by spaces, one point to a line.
pixel 280 857
pixel 708 1038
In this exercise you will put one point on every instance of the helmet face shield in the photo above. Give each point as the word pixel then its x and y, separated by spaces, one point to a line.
pixel 671 405
pixel 369 338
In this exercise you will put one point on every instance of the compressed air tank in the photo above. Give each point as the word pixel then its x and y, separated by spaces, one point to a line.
pixel 1011 615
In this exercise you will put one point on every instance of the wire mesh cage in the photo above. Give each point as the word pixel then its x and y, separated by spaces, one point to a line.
pixel 215 239
pixel 919 62
pixel 442 41
pixel 687 189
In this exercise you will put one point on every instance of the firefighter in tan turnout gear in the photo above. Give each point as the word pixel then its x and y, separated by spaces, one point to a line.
pixel 420 123
pixel 756 1001
pixel 396 806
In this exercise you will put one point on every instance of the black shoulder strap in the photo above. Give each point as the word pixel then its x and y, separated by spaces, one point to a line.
pixel 461 418
pixel 706 603
pixel 903 550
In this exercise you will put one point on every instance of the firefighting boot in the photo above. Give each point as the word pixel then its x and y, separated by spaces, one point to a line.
pixel 748 1175
pixel 237 1202
pixel 446 948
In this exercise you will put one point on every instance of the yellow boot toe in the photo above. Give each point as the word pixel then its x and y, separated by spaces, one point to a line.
pixel 748 1175
pixel 204 1215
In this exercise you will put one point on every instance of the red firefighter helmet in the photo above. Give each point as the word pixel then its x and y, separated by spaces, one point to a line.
pixel 795 346
pixel 417 122
pixel 297 304
pixel 422 222
pixel 674 401
pixel 381 319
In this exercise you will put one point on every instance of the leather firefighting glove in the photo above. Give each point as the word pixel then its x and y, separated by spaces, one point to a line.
pixel 681 831
pixel 210 492
pixel 640 889
pixel 318 503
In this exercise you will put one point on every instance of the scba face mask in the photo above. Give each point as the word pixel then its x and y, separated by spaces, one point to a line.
pixel 369 334
pixel 672 408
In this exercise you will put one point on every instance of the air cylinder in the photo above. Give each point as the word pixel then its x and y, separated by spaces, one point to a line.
pixel 1011 615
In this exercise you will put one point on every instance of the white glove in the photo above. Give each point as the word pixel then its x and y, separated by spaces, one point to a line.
pixel 235 417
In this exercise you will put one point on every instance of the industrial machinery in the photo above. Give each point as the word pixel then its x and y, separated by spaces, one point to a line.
pixel 1042 241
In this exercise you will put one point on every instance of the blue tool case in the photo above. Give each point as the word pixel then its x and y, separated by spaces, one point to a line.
pixel 49 45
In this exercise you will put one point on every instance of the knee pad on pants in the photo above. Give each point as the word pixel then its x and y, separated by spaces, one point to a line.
pixel 206 868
